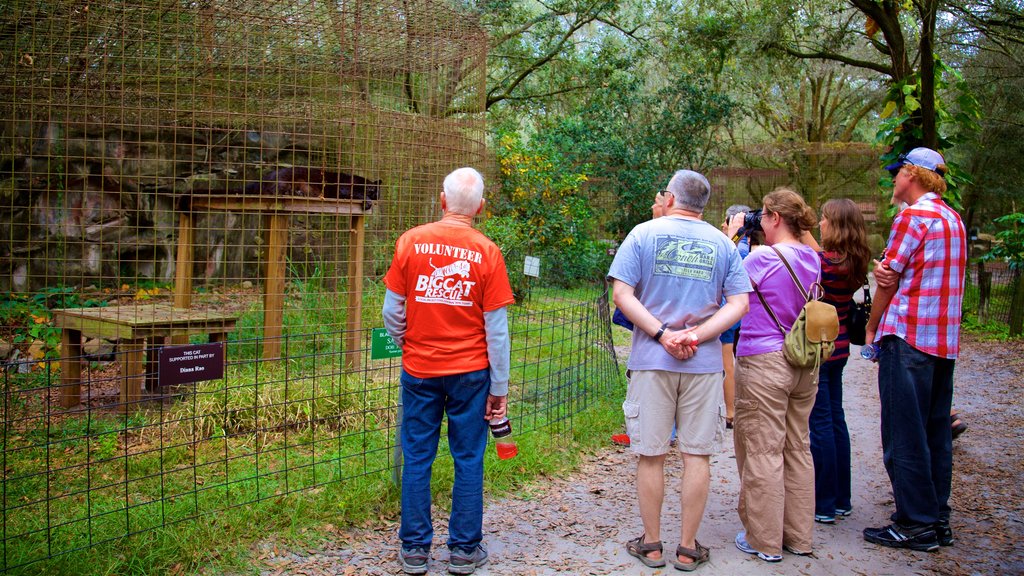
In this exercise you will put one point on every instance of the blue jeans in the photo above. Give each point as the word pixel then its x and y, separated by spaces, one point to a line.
pixel 830 441
pixel 916 393
pixel 425 401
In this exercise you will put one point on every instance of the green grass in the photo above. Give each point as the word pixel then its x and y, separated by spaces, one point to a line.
pixel 290 449
pixel 322 488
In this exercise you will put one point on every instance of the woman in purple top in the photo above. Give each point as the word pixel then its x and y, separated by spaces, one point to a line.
pixel 774 399
pixel 844 269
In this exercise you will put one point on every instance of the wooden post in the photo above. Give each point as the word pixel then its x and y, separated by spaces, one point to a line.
pixel 354 317
pixel 183 269
pixel 1017 306
pixel 273 291
pixel 133 373
pixel 984 291
pixel 70 367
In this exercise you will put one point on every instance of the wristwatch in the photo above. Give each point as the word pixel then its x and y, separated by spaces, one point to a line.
pixel 661 331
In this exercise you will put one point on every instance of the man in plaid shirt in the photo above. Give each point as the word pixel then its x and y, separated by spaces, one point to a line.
pixel 915 320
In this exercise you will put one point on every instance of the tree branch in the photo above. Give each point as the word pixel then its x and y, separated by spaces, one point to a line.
pixel 826 55
pixel 847 134
pixel 526 26
pixel 493 96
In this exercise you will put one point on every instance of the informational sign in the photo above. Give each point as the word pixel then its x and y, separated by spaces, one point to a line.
pixel 531 266
pixel 191 363
pixel 382 346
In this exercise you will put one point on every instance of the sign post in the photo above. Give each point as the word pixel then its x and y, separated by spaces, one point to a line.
pixel 382 347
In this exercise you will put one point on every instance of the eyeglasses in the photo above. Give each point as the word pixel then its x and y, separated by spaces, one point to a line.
pixel 665 192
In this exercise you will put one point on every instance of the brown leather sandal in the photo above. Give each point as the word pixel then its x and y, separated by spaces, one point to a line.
pixel 699 556
pixel 639 550
pixel 957 426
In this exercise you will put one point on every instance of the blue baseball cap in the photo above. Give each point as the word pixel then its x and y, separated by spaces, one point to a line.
pixel 923 157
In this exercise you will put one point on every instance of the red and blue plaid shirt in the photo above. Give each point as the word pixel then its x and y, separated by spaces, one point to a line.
pixel 928 247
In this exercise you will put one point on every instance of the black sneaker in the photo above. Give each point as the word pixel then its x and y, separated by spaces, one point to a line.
pixel 896 536
pixel 467 561
pixel 944 533
pixel 414 560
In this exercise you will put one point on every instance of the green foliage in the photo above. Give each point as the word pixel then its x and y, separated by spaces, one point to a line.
pixel 994 163
pixel 26 317
pixel 639 136
pixel 956 118
pixel 546 57
pixel 1009 244
pixel 542 212
pixel 989 330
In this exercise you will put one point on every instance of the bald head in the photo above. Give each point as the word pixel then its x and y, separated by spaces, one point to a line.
pixel 463 191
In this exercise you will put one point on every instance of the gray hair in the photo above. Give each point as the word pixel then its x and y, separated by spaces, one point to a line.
pixel 463 190
pixel 736 209
pixel 691 189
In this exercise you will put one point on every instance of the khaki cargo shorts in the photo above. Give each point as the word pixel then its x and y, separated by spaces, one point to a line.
pixel 657 399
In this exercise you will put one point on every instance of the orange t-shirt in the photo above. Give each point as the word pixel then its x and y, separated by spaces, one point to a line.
pixel 450 275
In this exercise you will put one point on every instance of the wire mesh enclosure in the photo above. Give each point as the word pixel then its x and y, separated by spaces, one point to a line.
pixel 211 191
pixel 253 160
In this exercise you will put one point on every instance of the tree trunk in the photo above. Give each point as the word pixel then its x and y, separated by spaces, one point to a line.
pixel 929 134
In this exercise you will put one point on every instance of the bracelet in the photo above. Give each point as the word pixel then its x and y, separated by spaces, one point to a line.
pixel 661 331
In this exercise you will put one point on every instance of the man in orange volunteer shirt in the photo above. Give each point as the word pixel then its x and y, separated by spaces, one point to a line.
pixel 447 290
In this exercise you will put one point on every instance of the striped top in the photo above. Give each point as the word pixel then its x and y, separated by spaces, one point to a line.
pixel 928 248
pixel 840 286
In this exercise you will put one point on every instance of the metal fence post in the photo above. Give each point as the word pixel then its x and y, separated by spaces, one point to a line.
pixel 396 466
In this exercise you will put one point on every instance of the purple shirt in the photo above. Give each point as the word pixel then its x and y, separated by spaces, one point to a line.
pixel 759 333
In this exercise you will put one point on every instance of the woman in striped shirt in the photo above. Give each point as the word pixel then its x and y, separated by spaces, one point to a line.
pixel 844 264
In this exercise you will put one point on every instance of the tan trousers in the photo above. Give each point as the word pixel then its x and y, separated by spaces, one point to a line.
pixel 773 452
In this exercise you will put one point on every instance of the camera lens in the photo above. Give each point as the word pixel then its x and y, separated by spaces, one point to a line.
pixel 751 222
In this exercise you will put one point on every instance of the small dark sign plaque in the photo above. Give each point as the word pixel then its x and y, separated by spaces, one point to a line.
pixel 193 363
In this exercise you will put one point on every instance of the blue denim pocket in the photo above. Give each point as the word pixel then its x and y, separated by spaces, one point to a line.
pixel 475 380
pixel 411 382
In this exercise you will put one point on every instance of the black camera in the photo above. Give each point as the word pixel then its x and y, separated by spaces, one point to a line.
pixel 751 223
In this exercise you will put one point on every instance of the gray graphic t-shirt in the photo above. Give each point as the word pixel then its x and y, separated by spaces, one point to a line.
pixel 681 271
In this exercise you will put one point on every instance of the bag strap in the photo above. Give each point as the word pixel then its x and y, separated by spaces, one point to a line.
pixel 769 309
pixel 792 274
pixel 867 294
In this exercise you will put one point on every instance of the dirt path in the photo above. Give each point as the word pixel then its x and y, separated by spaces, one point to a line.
pixel 578 524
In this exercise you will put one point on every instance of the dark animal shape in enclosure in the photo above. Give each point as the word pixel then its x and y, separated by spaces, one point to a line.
pixel 317 183
pixel 304 182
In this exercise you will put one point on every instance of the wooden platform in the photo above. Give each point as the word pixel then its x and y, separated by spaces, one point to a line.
pixel 132 325
pixel 276 211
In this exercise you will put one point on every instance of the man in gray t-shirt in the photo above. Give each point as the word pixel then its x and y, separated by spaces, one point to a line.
pixel 670 276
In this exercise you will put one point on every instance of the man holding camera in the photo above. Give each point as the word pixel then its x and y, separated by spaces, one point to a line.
pixel 915 320
pixel 669 278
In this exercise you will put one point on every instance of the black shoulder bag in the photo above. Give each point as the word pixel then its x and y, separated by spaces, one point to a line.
pixel 857 323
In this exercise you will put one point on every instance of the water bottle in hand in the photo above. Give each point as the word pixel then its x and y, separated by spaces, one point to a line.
pixel 869 352
pixel 501 429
